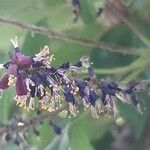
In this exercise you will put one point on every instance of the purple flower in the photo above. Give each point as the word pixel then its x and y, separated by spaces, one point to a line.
pixel 18 58
pixel 13 70
pixel 4 82
pixel 57 129
pixel 21 88
pixel 76 9
pixel 37 77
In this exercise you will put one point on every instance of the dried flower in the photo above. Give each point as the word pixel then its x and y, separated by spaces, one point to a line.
pixel 76 9
pixel 36 77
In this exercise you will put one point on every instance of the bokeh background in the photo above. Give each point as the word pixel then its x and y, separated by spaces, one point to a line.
pixel 84 132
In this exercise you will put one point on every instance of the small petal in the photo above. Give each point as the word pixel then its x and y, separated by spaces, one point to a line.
pixel 24 61
pixel 134 99
pixel 20 59
pixel 93 97
pixel 69 97
pixel 21 88
pixel 56 129
pixel 4 82
pixel 13 70
pixel 65 66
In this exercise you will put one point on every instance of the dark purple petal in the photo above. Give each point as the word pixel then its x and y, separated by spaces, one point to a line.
pixel 17 50
pixel 99 12
pixel 65 66
pixel 78 64
pixel 75 2
pixel 114 86
pixel 4 82
pixel 6 66
pixel 24 61
pixel 91 72
pixel 21 88
pixel 33 91
pixel 43 77
pixel 52 70
pixel 37 64
pixel 81 85
pixel 12 69
pixel 69 97
pixel 134 99
pixel 56 128
pixel 93 97
pixel 109 88
pixel 21 59
pixel 35 78
pixel 103 97
pixel 23 73
pixel 131 87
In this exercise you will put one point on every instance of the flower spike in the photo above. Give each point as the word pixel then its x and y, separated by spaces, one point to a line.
pixel 54 86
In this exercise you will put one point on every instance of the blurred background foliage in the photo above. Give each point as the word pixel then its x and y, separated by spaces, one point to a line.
pixel 83 133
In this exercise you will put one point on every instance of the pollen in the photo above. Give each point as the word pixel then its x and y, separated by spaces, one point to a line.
pixel 11 80
pixel 46 48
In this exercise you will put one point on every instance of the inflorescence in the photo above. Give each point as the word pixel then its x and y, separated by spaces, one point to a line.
pixel 39 84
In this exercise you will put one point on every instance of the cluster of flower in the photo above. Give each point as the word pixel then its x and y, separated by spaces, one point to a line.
pixel 17 129
pixel 37 77
pixel 76 8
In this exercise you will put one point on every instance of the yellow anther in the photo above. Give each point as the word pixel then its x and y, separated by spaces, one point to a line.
pixel 120 121
pixel 46 48
pixel 11 80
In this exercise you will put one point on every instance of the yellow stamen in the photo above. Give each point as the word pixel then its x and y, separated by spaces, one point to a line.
pixel 11 80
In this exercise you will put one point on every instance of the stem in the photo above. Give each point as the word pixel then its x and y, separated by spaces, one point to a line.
pixel 139 63
pixel 130 25
pixel 32 122
pixel 72 39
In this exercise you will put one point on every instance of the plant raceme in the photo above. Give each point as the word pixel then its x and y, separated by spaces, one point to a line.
pixel 35 76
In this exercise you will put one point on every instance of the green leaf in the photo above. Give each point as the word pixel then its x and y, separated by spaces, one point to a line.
pixel 33 44
pixel 86 129
pixel 69 52
pixel 129 113
pixel 54 144
pixel 60 142
pixel 5 105
pixel 46 135
pixel 88 13
pixel 79 139
pixel 64 139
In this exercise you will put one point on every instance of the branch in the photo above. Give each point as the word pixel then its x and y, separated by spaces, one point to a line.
pixel 130 25
pixel 72 39
pixel 137 64
pixel 32 122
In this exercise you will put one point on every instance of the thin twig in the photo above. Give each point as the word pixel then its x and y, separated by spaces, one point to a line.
pixel 130 25
pixel 32 122
pixel 72 39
